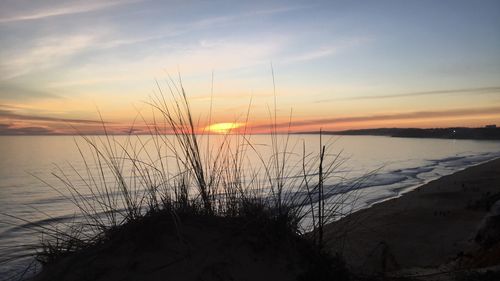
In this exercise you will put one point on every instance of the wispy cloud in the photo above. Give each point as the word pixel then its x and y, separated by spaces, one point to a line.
pixel 65 9
pixel 210 21
pixel 231 97
pixel 9 129
pixel 326 51
pixel 282 9
pixel 13 116
pixel 15 92
pixel 453 113
pixel 316 54
pixel 482 90
pixel 14 123
pixel 42 54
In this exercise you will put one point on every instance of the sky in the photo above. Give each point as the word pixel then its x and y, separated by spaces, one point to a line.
pixel 337 65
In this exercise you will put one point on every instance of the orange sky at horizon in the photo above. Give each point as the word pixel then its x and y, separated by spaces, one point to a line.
pixel 327 65
pixel 121 122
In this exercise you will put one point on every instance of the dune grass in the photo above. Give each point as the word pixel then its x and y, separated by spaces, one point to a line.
pixel 189 173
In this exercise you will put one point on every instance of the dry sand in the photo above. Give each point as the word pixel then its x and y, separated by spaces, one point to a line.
pixel 429 227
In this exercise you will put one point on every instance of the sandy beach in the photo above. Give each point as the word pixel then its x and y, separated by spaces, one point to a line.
pixel 432 227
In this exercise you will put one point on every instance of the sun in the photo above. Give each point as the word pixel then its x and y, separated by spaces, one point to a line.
pixel 223 128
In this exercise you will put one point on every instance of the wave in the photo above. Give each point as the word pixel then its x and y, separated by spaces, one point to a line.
pixel 394 183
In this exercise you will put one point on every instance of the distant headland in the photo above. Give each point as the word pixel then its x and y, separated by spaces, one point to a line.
pixel 489 132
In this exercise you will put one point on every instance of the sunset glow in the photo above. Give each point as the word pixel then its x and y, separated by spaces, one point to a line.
pixel 223 128
pixel 386 64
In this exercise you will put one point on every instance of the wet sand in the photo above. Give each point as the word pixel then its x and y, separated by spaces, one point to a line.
pixel 429 227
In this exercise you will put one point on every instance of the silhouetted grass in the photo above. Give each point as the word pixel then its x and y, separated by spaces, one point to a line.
pixel 126 186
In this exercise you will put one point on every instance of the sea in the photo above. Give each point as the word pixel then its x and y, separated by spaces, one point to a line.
pixel 31 197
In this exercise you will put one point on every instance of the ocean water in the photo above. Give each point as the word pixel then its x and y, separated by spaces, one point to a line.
pixel 395 165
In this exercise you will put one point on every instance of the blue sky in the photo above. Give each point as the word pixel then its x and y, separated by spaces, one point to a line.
pixel 333 60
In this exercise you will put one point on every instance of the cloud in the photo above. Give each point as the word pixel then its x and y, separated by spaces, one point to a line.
pixel 8 129
pixel 393 117
pixel 283 9
pixel 19 127
pixel 83 48
pixel 482 90
pixel 203 56
pixel 316 54
pixel 14 123
pixel 62 10
pixel 210 21
pixel 15 92
pixel 326 51
pixel 44 53
pixel 230 97
pixel 9 114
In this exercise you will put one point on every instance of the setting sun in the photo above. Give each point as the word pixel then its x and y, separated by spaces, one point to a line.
pixel 223 128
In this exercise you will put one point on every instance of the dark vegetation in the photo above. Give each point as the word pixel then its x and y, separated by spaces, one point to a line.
pixel 197 246
pixel 485 133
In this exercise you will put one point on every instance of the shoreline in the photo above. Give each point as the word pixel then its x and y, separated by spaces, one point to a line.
pixel 402 191
pixel 427 182
pixel 427 227
pixel 408 189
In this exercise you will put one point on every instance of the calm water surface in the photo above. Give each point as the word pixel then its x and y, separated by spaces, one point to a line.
pixel 401 164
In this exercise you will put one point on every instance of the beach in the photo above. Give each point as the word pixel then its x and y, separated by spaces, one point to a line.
pixel 412 162
pixel 431 229
pixel 430 233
